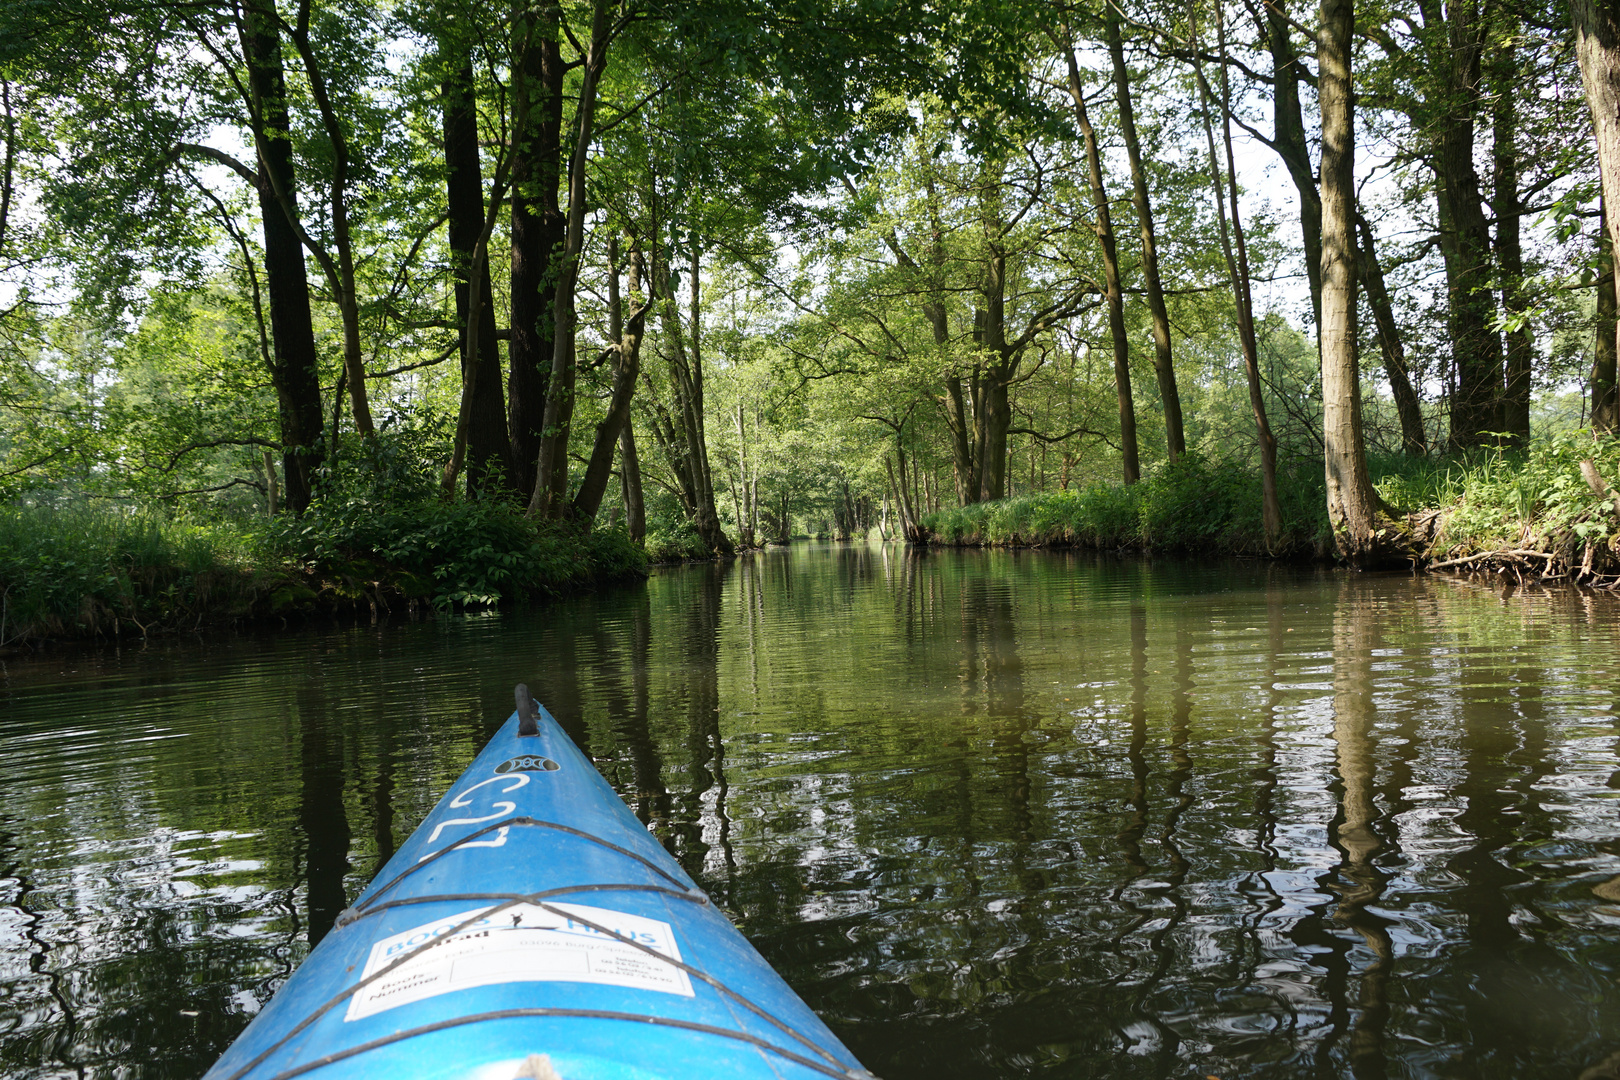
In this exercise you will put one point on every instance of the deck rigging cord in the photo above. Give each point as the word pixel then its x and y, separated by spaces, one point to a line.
pixel 505 901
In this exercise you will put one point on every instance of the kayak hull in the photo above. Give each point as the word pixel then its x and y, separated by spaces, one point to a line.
pixel 531 923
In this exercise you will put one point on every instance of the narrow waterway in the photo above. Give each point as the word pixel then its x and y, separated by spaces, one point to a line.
pixel 993 814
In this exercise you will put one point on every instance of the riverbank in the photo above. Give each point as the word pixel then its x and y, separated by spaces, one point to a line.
pixel 100 572
pixel 1553 511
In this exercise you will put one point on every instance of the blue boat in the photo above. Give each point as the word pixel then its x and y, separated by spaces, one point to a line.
pixel 532 929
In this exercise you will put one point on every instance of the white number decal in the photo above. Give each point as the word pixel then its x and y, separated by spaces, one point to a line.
pixel 501 808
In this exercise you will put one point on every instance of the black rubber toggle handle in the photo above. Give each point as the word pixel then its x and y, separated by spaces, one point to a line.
pixel 528 712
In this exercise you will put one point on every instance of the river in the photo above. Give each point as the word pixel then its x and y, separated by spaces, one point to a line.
pixel 993 814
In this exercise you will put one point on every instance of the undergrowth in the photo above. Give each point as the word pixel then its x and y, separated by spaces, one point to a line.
pixel 1192 505
pixel 1479 502
pixel 87 571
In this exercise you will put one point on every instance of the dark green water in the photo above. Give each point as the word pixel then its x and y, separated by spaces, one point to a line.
pixel 992 814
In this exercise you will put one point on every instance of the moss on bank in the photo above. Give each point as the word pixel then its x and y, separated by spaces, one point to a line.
pixel 1535 511
pixel 100 572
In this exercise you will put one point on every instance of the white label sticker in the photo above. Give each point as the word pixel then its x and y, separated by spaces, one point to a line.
pixel 523 943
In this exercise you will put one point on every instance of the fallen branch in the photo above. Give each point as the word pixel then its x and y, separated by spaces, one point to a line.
pixel 1514 552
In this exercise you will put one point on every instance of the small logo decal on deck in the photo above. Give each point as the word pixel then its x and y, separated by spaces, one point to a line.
pixel 527 763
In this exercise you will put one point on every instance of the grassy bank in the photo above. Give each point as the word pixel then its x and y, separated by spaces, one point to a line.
pixel 1195 505
pixel 1532 511
pixel 92 571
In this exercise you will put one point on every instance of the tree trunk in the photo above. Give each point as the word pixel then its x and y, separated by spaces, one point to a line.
pixel 684 442
pixel 1237 263
pixel 1163 367
pixel 1605 398
pixel 1352 506
pixel 549 499
pixel 1597 47
pixel 635 510
pixel 537 229
pixel 295 362
pixel 488 449
pixel 1290 143
pixel 340 272
pixel 1104 229
pixel 1476 406
pixel 626 370
pixel 1509 209
pixel 745 509
pixel 1413 440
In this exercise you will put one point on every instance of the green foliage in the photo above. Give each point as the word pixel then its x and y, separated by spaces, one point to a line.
pixel 1194 505
pixel 1498 499
pixel 676 542
pixel 363 536
pixel 85 570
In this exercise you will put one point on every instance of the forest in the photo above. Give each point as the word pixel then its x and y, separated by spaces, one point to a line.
pixel 437 303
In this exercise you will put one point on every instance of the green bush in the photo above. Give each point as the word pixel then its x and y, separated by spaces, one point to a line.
pixel 465 553
pixel 676 542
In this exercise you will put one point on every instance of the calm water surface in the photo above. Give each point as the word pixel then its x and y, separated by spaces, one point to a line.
pixel 992 814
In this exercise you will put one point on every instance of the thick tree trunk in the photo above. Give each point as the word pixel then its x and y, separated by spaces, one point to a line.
pixel 1597 47
pixel 1476 407
pixel 537 230
pixel 295 362
pixel 992 406
pixel 551 473
pixel 1352 505
pixel 1163 366
pixel 1413 439
pixel 488 448
pixel 635 510
pixel 1104 230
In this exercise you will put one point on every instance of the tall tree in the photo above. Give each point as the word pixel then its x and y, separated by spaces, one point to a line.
pixel 624 346
pixel 549 498
pixel 1235 249
pixel 1457 35
pixel 537 226
pixel 295 367
pixel 1508 205
pixel 1597 47
pixel 1103 226
pixel 1352 505
pixel 1390 345
pixel 1163 364
pixel 488 449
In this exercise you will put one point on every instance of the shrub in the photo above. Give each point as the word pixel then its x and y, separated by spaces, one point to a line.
pixel 465 553
pixel 677 542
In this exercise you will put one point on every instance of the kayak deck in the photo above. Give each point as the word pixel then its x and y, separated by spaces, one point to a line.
pixel 531 923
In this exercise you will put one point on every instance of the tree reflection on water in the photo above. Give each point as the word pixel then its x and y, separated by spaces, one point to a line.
pixel 993 814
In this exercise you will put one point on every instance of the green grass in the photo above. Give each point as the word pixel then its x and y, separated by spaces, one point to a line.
pixel 88 570
pixel 1496 500
pixel 97 571
pixel 1487 501
pixel 1193 505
